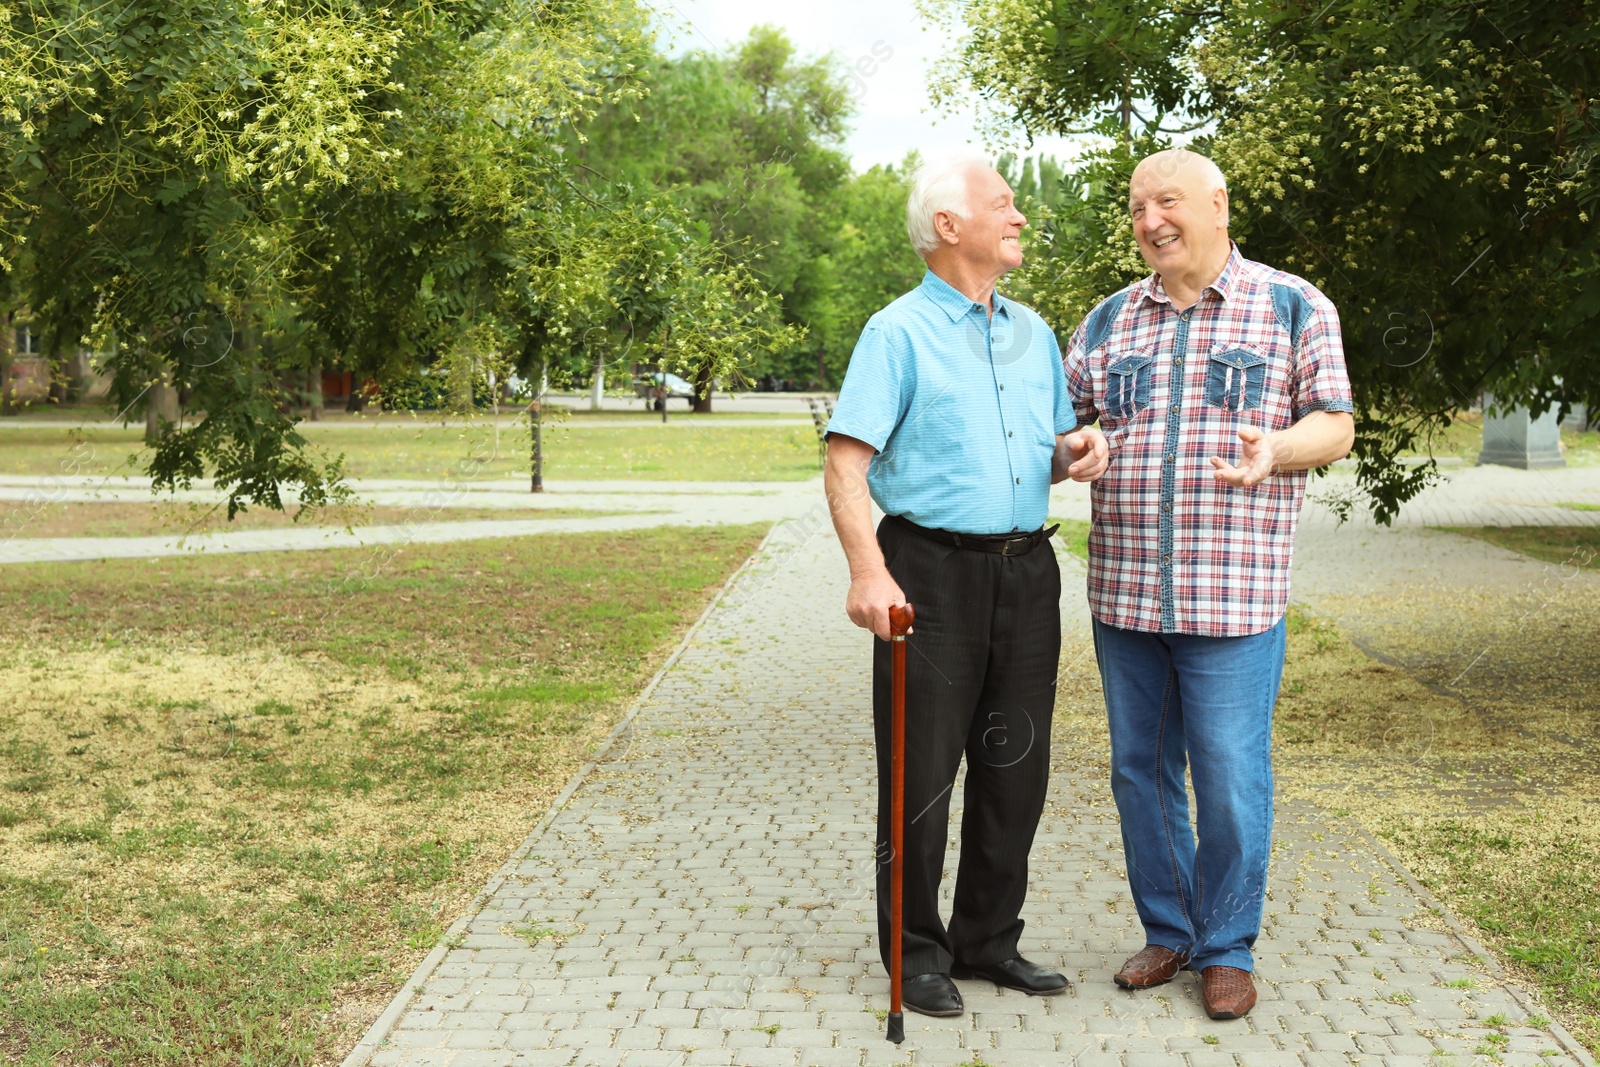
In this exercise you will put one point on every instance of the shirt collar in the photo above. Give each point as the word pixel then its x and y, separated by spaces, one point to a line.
pixel 1151 289
pixel 954 302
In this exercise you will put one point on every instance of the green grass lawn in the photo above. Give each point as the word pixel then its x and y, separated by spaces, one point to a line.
pixel 1577 546
pixel 1463 440
pixel 1074 535
pixel 242 796
pixel 707 450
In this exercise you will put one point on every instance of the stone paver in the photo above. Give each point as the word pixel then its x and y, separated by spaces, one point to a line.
pixel 703 896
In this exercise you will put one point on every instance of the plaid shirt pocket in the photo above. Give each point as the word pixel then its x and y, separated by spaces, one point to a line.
pixel 1235 377
pixel 1127 384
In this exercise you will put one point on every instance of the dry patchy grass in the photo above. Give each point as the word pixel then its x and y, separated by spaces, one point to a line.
pixel 1472 753
pixel 241 798
pixel 1484 788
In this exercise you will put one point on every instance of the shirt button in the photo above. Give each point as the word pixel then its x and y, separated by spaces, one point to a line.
pixel 1177 363
pixel 1010 434
pixel 1168 457
pixel 1019 481
pixel 1166 507
pixel 1002 387
pixel 1177 407
pixel 1166 559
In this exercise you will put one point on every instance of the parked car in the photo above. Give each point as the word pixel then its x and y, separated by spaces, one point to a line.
pixel 661 387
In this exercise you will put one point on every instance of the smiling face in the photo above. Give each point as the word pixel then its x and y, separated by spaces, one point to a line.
pixel 1180 217
pixel 987 237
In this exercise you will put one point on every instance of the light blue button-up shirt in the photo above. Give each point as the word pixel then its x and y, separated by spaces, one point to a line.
pixel 963 410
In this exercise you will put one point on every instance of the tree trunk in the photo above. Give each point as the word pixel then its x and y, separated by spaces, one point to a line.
pixel 597 385
pixel 161 407
pixel 8 388
pixel 58 378
pixel 461 386
pixel 702 390
pixel 314 391
pixel 79 378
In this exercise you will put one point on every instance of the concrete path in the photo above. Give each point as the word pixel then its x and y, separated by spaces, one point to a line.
pixel 702 895
pixel 645 504
pixel 795 405
pixel 1465 496
pixel 1468 496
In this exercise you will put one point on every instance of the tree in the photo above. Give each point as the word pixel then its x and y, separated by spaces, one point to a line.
pixel 746 142
pixel 231 194
pixel 869 261
pixel 1430 166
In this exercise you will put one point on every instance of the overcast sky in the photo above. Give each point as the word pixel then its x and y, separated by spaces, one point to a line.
pixel 892 109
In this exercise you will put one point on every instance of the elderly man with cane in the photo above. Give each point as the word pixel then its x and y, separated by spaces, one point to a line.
pixel 955 418
pixel 1219 382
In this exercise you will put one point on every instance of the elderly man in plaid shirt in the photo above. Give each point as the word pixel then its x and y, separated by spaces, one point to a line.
pixel 1219 382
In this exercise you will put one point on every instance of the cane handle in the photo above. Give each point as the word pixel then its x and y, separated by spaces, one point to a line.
pixel 900 618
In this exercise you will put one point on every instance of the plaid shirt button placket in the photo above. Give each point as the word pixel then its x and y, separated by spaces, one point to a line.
pixel 1174 550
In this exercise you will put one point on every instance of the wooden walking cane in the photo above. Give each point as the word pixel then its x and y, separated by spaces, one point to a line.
pixel 900 619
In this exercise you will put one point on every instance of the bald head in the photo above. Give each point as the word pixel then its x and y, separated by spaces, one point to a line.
pixel 1178 201
pixel 1175 161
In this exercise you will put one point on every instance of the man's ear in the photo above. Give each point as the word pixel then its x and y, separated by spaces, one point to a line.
pixel 1220 200
pixel 946 225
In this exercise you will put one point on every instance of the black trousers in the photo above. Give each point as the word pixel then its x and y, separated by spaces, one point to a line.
pixel 981 668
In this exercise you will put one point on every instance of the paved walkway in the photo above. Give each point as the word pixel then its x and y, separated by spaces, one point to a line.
pixel 1468 496
pixel 703 896
pixel 643 504
pixel 1465 496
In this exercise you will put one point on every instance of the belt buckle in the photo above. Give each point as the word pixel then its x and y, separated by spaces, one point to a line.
pixel 1005 546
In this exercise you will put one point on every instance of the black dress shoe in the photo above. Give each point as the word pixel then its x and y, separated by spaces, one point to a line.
pixel 1018 973
pixel 931 994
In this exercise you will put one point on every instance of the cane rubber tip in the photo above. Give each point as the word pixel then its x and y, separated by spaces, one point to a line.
pixel 897 1027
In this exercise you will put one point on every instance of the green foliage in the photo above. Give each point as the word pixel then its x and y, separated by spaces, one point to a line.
pixel 747 143
pixel 864 262
pixel 1056 68
pixel 1041 184
pixel 1430 166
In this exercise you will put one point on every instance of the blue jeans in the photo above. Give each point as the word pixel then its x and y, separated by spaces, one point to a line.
pixel 1172 698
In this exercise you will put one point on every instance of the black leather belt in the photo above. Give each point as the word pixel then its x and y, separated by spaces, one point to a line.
pixel 999 544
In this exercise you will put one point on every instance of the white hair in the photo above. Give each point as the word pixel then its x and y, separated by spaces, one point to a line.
pixel 938 185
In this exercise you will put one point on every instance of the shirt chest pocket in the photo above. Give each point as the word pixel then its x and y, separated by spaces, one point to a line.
pixel 1235 377
pixel 1127 384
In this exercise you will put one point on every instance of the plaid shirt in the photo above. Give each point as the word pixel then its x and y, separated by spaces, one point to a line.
pixel 1172 549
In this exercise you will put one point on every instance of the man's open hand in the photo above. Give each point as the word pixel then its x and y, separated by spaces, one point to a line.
pixel 871 596
pixel 1256 462
pixel 1086 454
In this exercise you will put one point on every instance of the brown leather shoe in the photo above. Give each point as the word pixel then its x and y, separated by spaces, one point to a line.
pixel 1230 992
pixel 1152 965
